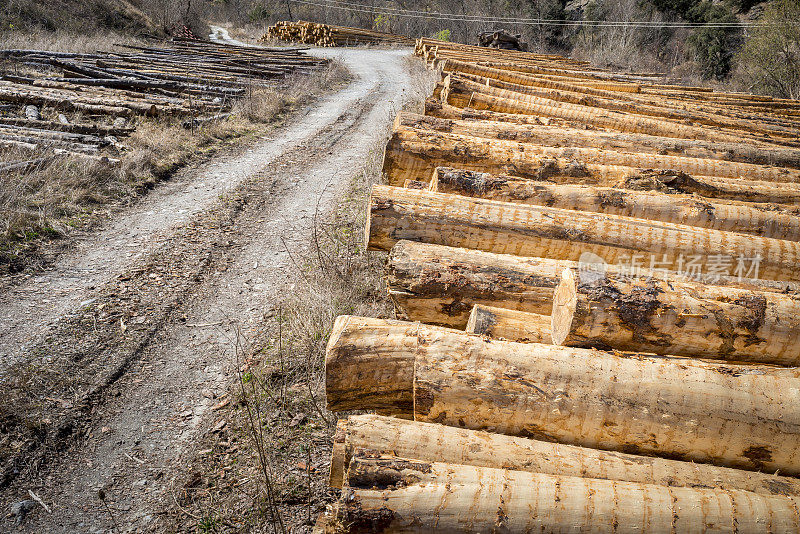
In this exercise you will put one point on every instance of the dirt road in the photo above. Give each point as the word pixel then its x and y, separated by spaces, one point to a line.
pixel 146 311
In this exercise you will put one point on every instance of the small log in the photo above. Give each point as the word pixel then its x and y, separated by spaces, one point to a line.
pixel 430 442
pixel 745 416
pixel 511 325
pixel 388 494
pixel 696 320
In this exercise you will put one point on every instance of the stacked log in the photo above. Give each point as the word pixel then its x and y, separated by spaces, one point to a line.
pixel 601 268
pixel 429 442
pixel 193 80
pixel 526 230
pixel 328 35
pixel 583 397
pixel 440 285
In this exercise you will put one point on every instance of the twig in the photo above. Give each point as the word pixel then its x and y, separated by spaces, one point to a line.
pixel 137 460
pixel 102 495
pixel 40 501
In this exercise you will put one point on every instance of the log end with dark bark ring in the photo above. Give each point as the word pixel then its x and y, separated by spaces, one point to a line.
pixel 565 300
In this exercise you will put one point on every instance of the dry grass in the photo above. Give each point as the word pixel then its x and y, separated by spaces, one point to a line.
pixel 67 41
pixel 73 193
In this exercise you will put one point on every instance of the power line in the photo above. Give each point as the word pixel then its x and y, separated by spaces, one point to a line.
pixel 410 13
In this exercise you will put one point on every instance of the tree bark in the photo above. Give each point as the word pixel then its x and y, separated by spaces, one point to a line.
pixel 388 494
pixel 429 442
pixel 688 320
pixel 440 285
pixel 502 227
pixel 731 415
pixel 511 325
pixel 679 209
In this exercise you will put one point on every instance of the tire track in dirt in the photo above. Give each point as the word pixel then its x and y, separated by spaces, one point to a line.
pixel 152 348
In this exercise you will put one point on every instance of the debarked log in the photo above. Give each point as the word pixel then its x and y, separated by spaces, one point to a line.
pixel 511 325
pixel 432 442
pixel 389 494
pixel 745 416
pixel 396 213
pixel 652 205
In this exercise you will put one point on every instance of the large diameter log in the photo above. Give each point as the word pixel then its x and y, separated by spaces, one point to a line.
pixel 679 209
pixel 511 152
pixel 591 310
pixel 347 369
pixel 440 285
pixel 431 442
pixel 511 325
pixel 388 494
pixel 443 117
pixel 695 410
pixel 396 213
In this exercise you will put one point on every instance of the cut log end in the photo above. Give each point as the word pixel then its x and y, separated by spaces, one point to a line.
pixel 338 455
pixel 565 301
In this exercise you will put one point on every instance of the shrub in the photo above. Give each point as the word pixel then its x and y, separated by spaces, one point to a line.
pixel 443 35
pixel 769 61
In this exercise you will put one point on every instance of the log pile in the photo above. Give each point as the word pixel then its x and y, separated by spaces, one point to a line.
pixel 595 283
pixel 327 35
pixel 84 104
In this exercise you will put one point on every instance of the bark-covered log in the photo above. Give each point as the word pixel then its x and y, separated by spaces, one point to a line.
pixel 657 206
pixel 440 285
pixel 431 442
pixel 745 416
pixel 453 220
pixel 606 311
pixel 436 284
pixel 389 494
pixel 511 325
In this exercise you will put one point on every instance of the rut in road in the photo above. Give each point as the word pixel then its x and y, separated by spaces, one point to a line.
pixel 177 277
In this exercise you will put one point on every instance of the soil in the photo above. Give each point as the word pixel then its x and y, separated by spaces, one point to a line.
pixel 118 355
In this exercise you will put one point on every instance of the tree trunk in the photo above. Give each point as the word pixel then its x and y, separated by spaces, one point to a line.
pixel 731 415
pixel 523 230
pixel 443 117
pixel 511 325
pixel 431 442
pixel 440 285
pixel 678 209
pixel 388 494
pixel 537 90
pixel 689 320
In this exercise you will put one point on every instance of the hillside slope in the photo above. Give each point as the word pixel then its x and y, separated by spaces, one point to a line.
pixel 75 15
